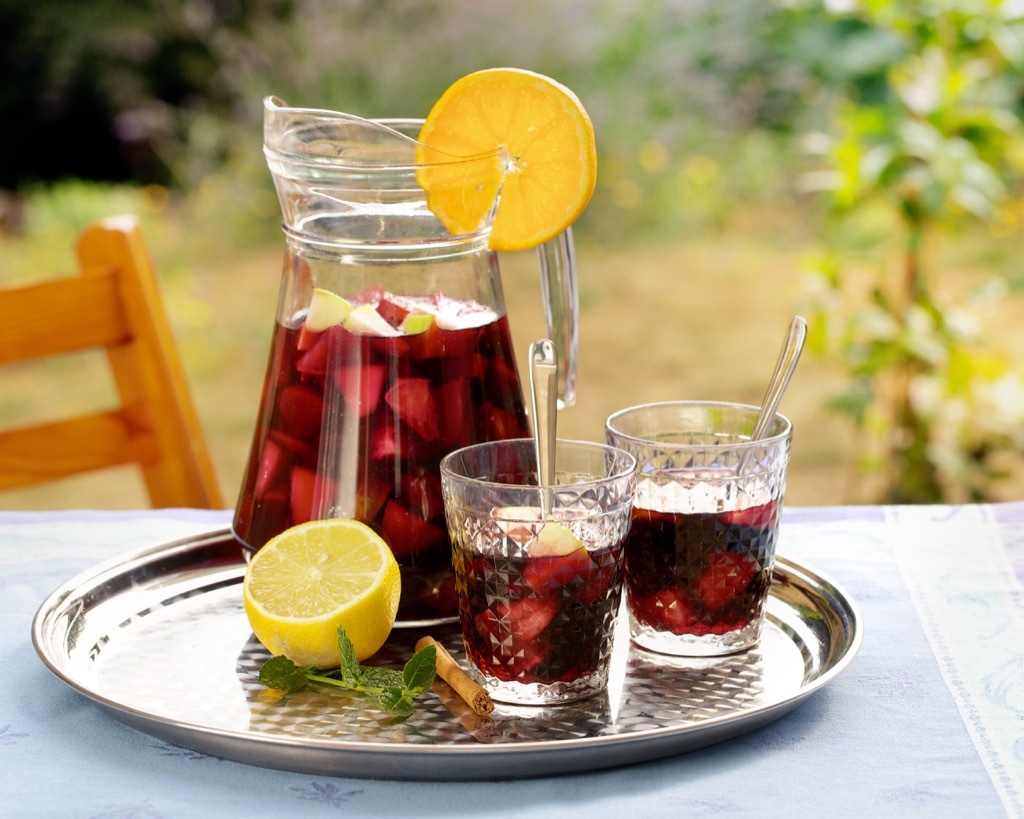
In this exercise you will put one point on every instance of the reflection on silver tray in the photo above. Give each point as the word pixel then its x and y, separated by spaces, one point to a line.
pixel 124 633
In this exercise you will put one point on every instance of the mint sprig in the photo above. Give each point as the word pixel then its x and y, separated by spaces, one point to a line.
pixel 394 690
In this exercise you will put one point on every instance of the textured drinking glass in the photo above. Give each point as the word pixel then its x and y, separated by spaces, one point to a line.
pixel 700 552
pixel 538 569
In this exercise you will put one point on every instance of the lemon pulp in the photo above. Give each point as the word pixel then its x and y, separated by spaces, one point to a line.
pixel 314 577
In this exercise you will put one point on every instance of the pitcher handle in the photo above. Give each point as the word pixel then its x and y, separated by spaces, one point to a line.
pixel 557 259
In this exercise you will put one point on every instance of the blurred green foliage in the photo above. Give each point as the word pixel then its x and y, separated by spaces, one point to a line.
pixel 703 110
pixel 934 148
pixel 695 102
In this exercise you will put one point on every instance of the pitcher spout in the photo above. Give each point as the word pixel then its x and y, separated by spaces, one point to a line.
pixel 343 180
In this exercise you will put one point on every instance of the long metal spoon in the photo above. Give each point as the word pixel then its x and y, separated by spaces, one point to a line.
pixel 789 356
pixel 544 390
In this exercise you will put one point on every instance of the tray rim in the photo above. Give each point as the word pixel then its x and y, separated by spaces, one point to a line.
pixel 719 728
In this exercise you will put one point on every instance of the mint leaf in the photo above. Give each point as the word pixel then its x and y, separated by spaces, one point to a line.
pixel 395 701
pixel 394 690
pixel 351 670
pixel 283 674
pixel 377 677
pixel 418 674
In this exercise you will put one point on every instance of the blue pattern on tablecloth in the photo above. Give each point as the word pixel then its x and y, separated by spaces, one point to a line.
pixel 969 600
pixel 886 738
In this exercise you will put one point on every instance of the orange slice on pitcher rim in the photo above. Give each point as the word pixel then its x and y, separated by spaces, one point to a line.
pixel 549 140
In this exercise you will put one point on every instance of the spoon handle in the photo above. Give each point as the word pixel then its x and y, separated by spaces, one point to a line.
pixel 789 355
pixel 544 388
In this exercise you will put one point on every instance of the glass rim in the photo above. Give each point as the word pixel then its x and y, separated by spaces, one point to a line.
pixel 783 434
pixel 618 474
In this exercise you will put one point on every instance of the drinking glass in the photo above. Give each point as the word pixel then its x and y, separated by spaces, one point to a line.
pixel 538 569
pixel 700 551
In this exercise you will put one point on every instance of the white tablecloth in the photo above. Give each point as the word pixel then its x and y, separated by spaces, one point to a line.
pixel 927 721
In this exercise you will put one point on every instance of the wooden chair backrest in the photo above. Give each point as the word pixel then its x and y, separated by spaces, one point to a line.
pixel 113 303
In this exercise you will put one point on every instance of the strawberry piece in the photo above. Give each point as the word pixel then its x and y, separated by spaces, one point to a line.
pixel 725 576
pixel 308 493
pixel 307 337
pixel 413 402
pixel 454 402
pixel 490 624
pixel 332 345
pixel 437 342
pixel 312 362
pixel 303 487
pixel 391 310
pixel 550 573
pixel 422 495
pixel 756 517
pixel 370 498
pixel 519 620
pixel 725 626
pixel 530 616
pixel 384 348
pixel 525 658
pixel 361 386
pixel 296 446
pixel 274 465
pixel 384 443
pixel 301 408
pixel 667 609
pixel 407 533
pixel 505 659
pixel 394 441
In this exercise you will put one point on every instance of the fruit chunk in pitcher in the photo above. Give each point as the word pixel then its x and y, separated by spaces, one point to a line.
pixel 363 397
pixel 699 573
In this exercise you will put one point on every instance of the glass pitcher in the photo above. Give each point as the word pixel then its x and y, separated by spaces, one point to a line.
pixel 391 346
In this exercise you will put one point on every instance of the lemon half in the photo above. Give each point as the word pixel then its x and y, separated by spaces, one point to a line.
pixel 314 577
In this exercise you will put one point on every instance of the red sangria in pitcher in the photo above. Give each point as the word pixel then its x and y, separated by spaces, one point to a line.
pixel 391 346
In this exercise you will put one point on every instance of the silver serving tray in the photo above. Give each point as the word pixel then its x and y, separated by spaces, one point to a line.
pixel 159 639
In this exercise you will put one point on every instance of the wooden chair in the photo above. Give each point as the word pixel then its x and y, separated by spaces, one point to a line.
pixel 114 303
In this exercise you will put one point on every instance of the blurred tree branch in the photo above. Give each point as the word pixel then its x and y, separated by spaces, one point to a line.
pixel 939 145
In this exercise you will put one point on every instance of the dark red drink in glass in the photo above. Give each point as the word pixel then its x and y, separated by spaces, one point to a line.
pixel 538 569
pixel 700 573
pixel 706 516
pixel 541 629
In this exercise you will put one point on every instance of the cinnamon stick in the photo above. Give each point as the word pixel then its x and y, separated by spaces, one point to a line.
pixel 474 694
pixel 480 726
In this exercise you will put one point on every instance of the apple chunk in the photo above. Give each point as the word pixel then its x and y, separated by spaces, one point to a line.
pixel 326 309
pixel 554 539
pixel 364 320
pixel 416 323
